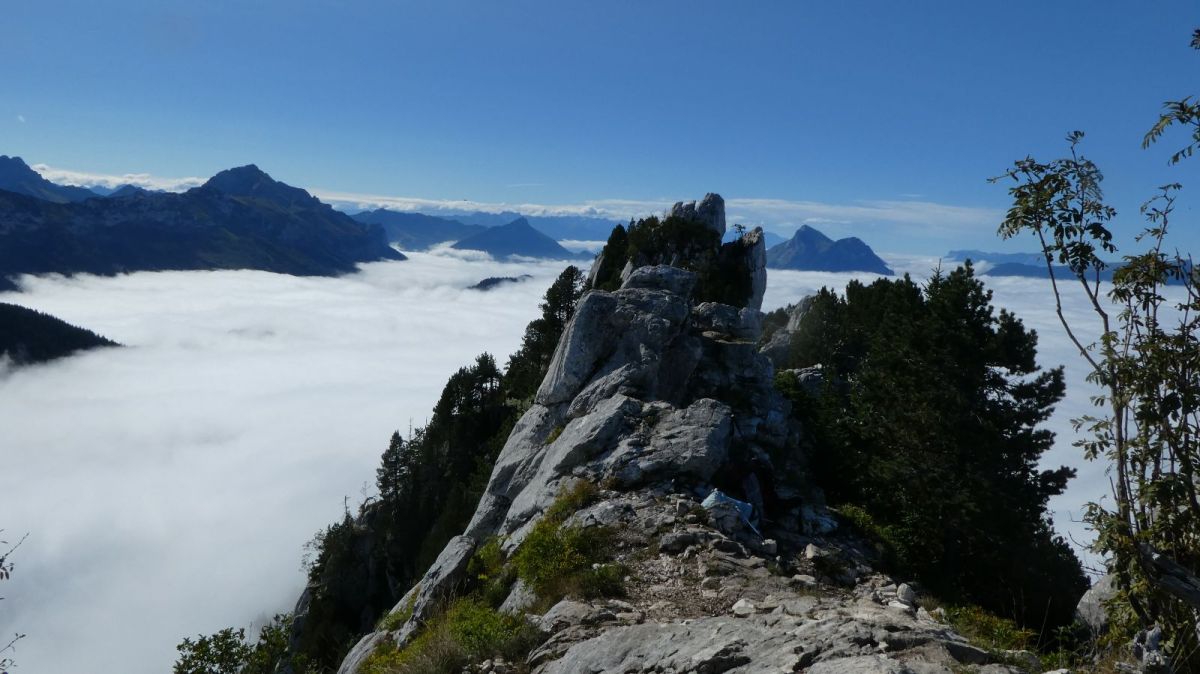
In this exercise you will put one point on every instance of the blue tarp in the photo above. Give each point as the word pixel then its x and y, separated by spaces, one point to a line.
pixel 719 501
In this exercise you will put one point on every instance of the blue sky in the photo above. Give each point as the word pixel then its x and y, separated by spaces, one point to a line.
pixel 880 119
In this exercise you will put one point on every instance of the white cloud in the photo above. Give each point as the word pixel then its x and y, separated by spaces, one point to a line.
pixel 581 246
pixel 168 487
pixel 783 216
pixel 88 179
pixel 928 216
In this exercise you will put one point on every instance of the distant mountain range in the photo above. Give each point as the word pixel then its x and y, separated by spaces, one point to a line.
pixel 240 219
pixel 1029 265
pixel 119 191
pixel 558 227
pixel 28 336
pixel 417 231
pixel 514 238
pixel 517 239
pixel 810 250
pixel 1033 259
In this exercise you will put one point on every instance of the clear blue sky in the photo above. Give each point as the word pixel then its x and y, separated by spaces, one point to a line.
pixel 859 117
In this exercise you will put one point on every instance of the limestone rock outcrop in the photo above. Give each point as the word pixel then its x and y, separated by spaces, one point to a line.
pixel 659 398
pixel 710 210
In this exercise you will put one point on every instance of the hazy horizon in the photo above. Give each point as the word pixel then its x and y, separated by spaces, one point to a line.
pixel 867 118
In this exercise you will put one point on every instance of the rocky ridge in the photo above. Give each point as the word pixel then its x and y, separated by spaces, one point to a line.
pixel 661 400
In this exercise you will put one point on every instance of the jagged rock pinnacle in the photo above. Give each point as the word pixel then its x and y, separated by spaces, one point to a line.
pixel 710 210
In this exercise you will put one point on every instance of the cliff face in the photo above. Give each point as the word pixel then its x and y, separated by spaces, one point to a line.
pixel 661 400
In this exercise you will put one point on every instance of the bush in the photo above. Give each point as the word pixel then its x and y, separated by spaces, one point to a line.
pixel 571 500
pixel 468 631
pixel 556 561
pixel 230 652
pixel 488 575
pixel 989 631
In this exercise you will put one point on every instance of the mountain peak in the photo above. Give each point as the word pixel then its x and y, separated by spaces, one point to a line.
pixel 17 176
pixel 810 250
pixel 14 168
pixel 240 180
pixel 517 238
pixel 249 181
pixel 811 234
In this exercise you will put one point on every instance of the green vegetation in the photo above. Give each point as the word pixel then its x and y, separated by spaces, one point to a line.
pixel 28 336
pixel 429 484
pixel 720 268
pixel 558 561
pixel 926 437
pixel 554 560
pixel 467 631
pixel 1144 360
pixel 571 500
pixel 395 620
pixel 612 259
pixel 1071 649
pixel 989 631
pixel 229 652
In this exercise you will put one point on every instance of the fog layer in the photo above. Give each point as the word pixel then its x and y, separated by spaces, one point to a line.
pixel 169 487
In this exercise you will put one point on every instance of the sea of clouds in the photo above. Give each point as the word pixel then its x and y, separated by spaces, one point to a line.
pixel 169 487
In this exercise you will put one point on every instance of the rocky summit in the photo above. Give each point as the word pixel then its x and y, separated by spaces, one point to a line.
pixel 663 406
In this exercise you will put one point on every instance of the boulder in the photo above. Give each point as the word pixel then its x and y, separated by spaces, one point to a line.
pixel 1090 608
pixel 692 442
pixel 445 572
pixel 661 277
pixel 519 600
pixel 727 321
pixel 361 651
pixel 777 347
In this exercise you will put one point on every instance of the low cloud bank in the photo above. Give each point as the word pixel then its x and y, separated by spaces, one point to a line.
pixel 169 486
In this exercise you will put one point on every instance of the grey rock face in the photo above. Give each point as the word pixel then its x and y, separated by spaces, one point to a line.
pixel 446 571
pixel 579 349
pixel 728 322
pixel 361 651
pixel 776 348
pixel 662 277
pixel 520 598
pixel 710 211
pixel 693 441
pixel 1091 606
pixel 755 244
pixel 595 270
pixel 637 394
